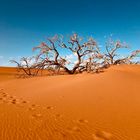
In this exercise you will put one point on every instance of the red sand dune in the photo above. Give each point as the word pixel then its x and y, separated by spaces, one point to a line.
pixel 103 106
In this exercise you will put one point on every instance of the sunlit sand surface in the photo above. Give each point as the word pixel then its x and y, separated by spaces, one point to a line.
pixel 104 106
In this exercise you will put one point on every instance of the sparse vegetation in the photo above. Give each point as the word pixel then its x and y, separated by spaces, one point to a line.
pixel 28 66
pixel 88 56
pixel 111 52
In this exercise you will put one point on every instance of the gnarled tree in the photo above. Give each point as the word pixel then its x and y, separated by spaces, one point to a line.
pixel 88 56
pixel 111 55
pixel 28 66
pixel 82 50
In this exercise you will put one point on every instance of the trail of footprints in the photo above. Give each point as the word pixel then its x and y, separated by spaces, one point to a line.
pixel 6 98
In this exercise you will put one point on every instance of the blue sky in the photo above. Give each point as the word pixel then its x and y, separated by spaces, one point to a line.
pixel 24 24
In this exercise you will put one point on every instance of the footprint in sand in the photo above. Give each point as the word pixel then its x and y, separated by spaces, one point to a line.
pixel 4 95
pixel 58 115
pixel 102 135
pixel 82 121
pixel 33 107
pixel 34 114
pixel 50 107
pixel 14 101
pixel 11 97
pixel 76 128
pixel 24 102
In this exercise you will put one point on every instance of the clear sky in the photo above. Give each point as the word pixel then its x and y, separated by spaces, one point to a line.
pixel 25 23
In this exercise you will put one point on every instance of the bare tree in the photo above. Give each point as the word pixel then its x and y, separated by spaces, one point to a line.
pixel 111 52
pixel 28 66
pixel 81 50
pixel 87 54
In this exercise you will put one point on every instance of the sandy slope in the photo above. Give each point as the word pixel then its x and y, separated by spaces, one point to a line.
pixel 7 73
pixel 103 106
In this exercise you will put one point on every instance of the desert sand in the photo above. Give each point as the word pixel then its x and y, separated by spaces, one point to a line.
pixel 104 106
